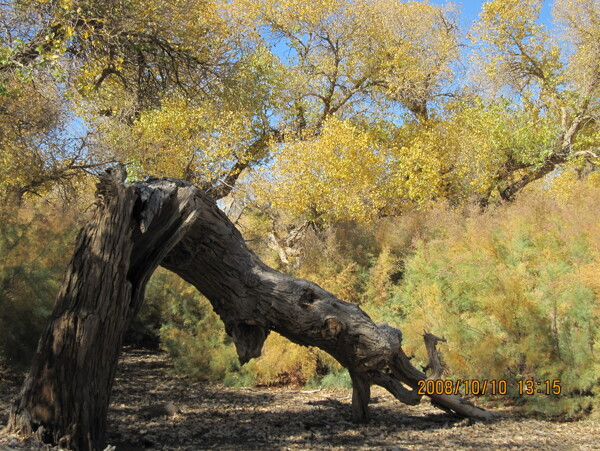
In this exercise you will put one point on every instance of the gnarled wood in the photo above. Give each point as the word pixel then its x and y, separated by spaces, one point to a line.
pixel 167 221
pixel 250 296
pixel 434 366
pixel 65 397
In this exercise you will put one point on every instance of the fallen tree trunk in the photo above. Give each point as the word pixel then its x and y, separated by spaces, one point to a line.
pixel 253 299
pixel 166 221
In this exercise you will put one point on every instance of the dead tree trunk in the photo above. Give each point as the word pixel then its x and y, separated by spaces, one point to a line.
pixel 65 397
pixel 165 221
pixel 253 299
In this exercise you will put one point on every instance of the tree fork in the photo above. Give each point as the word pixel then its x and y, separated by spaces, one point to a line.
pixel 138 226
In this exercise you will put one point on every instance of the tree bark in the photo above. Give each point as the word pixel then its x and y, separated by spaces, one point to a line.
pixel 65 397
pixel 166 221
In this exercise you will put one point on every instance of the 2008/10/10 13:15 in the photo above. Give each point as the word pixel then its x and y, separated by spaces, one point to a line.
pixel 487 387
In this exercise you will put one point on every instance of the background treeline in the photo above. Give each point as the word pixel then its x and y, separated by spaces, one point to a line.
pixel 442 178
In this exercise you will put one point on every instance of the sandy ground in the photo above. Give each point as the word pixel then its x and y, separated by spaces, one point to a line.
pixel 211 416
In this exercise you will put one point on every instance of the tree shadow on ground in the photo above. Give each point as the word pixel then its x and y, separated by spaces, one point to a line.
pixel 214 416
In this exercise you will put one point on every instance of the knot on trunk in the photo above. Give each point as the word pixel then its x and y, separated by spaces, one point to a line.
pixel 307 297
pixel 249 340
pixel 250 279
pixel 332 327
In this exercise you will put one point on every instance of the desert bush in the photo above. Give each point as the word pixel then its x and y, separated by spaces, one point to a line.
pixel 190 331
pixel 381 277
pixel 514 292
pixel 286 363
pixel 36 242
pixel 337 379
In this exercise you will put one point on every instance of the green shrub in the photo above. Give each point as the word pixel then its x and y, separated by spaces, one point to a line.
pixel 36 242
pixel 337 379
pixel 191 332
pixel 514 292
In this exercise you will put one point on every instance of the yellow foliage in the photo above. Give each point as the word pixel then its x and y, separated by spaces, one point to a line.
pixel 580 21
pixel 283 362
pixel 336 174
pixel 413 46
pixel 380 281
pixel 181 139
pixel 29 114
pixel 516 49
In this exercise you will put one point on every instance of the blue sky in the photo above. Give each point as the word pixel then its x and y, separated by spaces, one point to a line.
pixel 470 10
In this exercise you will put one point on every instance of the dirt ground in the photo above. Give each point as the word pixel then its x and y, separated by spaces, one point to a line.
pixel 211 416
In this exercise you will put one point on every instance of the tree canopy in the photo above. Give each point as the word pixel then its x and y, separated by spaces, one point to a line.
pixel 352 110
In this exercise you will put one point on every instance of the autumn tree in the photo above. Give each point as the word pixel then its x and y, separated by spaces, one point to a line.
pixel 555 86
pixel 528 108
pixel 205 91
pixel 114 66
pixel 355 70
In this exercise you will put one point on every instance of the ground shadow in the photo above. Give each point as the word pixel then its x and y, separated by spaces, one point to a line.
pixel 213 416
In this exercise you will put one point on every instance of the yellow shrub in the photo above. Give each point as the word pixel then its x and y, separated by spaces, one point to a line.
pixel 515 292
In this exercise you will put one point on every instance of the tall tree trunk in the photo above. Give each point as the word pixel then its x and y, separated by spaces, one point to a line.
pixel 166 221
pixel 65 397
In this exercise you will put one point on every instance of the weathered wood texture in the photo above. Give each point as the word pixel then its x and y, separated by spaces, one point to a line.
pixel 166 221
pixel 65 397
pixel 253 299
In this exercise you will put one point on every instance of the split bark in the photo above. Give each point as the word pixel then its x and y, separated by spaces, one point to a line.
pixel 65 397
pixel 169 222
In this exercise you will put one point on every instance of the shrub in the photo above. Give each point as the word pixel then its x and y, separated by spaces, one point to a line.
pixel 337 259
pixel 191 332
pixel 515 292
pixel 381 277
pixel 337 379
pixel 36 242
pixel 284 363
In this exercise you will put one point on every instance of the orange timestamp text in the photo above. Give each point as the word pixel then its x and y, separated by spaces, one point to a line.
pixel 488 387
